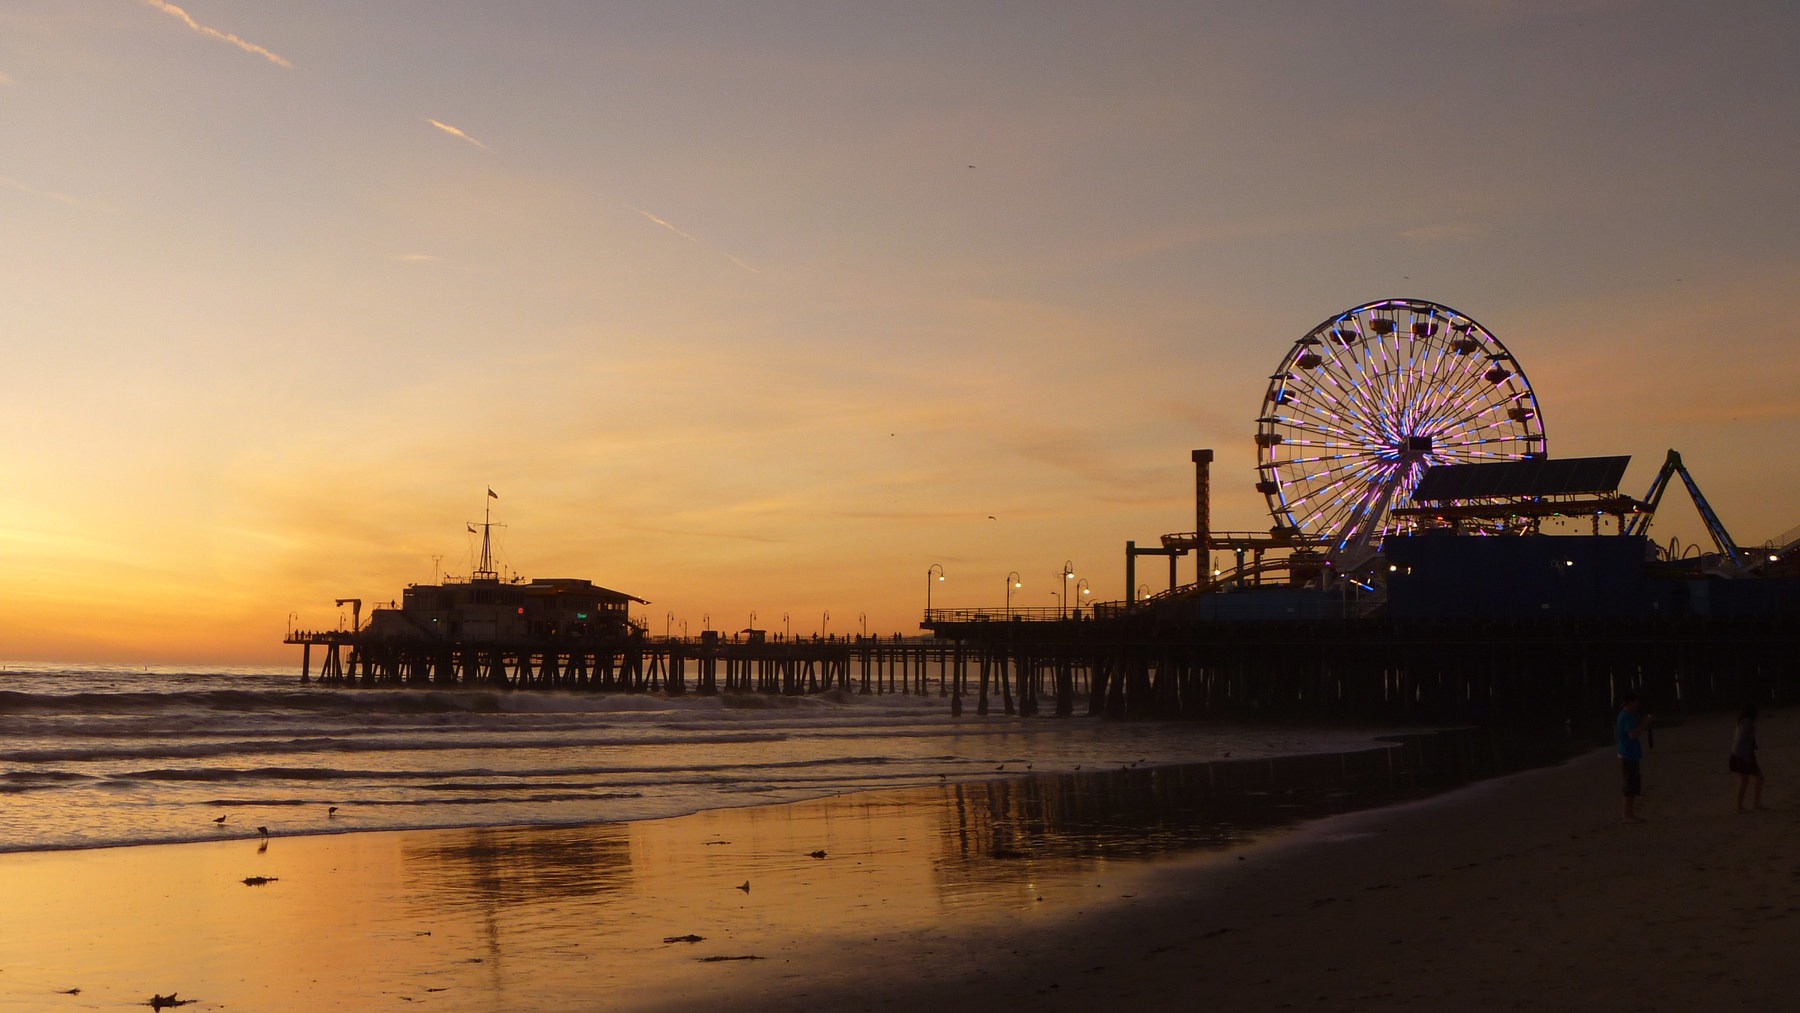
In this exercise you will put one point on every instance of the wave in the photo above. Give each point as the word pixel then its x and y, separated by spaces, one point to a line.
pixel 406 701
pixel 345 774
pixel 334 744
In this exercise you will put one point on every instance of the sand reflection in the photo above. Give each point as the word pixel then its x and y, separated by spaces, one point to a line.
pixel 651 914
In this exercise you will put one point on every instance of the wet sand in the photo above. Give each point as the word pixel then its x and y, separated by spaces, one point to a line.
pixel 1129 889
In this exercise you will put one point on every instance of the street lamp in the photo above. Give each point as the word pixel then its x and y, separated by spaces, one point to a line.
pixel 684 635
pixel 1012 581
pixel 1068 574
pixel 668 623
pixel 934 570
pixel 706 620
pixel 824 623
pixel 787 626
pixel 752 619
pixel 863 617
pixel 1081 592
pixel 1143 592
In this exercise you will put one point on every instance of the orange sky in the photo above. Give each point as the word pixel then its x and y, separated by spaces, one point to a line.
pixel 771 307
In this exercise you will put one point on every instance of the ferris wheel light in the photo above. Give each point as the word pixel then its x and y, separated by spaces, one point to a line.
pixel 1373 414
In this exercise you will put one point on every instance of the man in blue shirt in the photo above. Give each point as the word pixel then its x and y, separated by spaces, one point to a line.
pixel 1629 730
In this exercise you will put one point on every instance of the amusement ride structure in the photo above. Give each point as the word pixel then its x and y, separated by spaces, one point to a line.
pixel 1403 416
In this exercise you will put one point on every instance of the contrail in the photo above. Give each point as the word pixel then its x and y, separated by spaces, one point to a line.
pixel 693 239
pixel 453 132
pixel 213 33
pixel 34 191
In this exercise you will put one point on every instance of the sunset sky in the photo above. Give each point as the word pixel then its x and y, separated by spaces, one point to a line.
pixel 770 306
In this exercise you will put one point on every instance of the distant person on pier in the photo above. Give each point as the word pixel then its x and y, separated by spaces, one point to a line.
pixel 1629 730
pixel 1743 758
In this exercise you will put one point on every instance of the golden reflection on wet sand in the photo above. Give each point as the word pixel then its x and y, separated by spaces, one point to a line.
pixel 572 917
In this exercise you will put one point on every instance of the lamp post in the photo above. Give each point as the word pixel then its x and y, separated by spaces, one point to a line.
pixel 1012 581
pixel 752 619
pixel 1068 574
pixel 1143 592
pixel 706 620
pixel 863 617
pixel 1081 592
pixel 825 623
pixel 934 570
pixel 787 627
pixel 668 625
pixel 684 635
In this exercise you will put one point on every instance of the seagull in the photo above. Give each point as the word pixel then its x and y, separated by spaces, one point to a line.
pixel 745 887
pixel 329 813
pixel 219 820
pixel 263 831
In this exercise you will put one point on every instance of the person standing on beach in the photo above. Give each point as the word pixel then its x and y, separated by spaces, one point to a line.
pixel 1628 730
pixel 1743 758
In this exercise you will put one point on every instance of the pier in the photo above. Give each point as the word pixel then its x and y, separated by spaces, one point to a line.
pixel 671 665
pixel 1128 665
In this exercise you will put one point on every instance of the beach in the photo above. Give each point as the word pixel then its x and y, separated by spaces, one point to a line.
pixel 1523 890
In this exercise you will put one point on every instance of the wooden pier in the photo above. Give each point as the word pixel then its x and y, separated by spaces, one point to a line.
pixel 1127 666
pixel 671 665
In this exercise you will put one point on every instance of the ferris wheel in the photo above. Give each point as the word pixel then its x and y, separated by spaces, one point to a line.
pixel 1366 401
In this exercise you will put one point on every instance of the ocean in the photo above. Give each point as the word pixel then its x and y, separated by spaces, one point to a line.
pixel 97 756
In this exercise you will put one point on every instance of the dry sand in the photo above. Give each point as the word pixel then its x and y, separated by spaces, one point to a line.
pixel 1524 892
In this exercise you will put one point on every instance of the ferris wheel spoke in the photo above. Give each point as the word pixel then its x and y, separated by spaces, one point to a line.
pixel 1467 421
pixel 1304 417
pixel 1341 378
pixel 1327 388
pixel 1472 404
pixel 1318 426
pixel 1333 477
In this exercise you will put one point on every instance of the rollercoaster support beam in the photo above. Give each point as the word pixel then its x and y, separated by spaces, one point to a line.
pixel 1132 552
pixel 1202 517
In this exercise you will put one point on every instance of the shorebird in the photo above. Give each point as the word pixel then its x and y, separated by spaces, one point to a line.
pixel 219 820
pixel 745 887
pixel 329 813
pixel 263 831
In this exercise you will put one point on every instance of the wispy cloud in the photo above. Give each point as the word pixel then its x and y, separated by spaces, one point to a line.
pixel 417 258
pixel 213 33
pixel 454 132
pixel 13 184
pixel 692 239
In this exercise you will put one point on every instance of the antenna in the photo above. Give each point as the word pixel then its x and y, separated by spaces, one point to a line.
pixel 486 570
